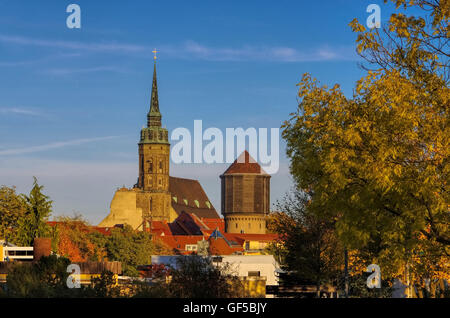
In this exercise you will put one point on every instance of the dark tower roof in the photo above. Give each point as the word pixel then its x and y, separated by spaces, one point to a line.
pixel 189 196
pixel 154 116
pixel 154 132
pixel 245 164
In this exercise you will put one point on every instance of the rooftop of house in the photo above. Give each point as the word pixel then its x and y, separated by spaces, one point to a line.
pixel 191 224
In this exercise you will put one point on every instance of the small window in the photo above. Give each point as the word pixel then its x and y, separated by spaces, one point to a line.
pixel 254 273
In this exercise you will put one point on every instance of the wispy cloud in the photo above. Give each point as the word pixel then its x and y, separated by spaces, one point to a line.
pixel 54 145
pixel 15 63
pixel 67 71
pixel 21 111
pixel 103 47
pixel 194 50
pixel 264 53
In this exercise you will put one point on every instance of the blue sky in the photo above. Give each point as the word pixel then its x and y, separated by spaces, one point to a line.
pixel 72 101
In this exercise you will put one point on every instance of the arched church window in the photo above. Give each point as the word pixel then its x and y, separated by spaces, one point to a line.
pixel 160 166
pixel 150 169
pixel 151 204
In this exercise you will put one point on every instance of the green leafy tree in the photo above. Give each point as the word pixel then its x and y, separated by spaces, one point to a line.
pixel 130 247
pixel 12 209
pixel 103 286
pixel 308 248
pixel 378 163
pixel 197 277
pixel 46 278
pixel 33 223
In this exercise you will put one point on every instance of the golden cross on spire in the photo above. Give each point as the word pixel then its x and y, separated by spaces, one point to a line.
pixel 154 52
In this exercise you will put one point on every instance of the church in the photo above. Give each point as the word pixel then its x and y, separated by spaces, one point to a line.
pixel 171 206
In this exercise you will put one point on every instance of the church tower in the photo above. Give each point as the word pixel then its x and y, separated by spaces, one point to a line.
pixel 156 196
pixel 154 156
pixel 154 148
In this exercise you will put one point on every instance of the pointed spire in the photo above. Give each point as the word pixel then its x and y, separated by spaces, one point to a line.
pixel 154 116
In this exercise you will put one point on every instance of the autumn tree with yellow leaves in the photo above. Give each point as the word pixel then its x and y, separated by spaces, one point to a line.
pixel 378 162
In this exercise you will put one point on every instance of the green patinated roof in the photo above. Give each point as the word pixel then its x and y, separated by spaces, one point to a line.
pixel 154 133
pixel 154 115
pixel 151 135
pixel 154 101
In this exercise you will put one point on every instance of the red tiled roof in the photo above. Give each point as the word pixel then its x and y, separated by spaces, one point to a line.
pixel 178 242
pixel 217 246
pixel 160 228
pixel 244 164
pixel 211 224
pixel 220 247
pixel 191 224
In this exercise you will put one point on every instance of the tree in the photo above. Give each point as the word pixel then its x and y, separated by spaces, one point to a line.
pixel 130 247
pixel 77 240
pixel 12 209
pixel 46 278
pixel 103 286
pixel 197 277
pixel 33 223
pixel 307 248
pixel 378 162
